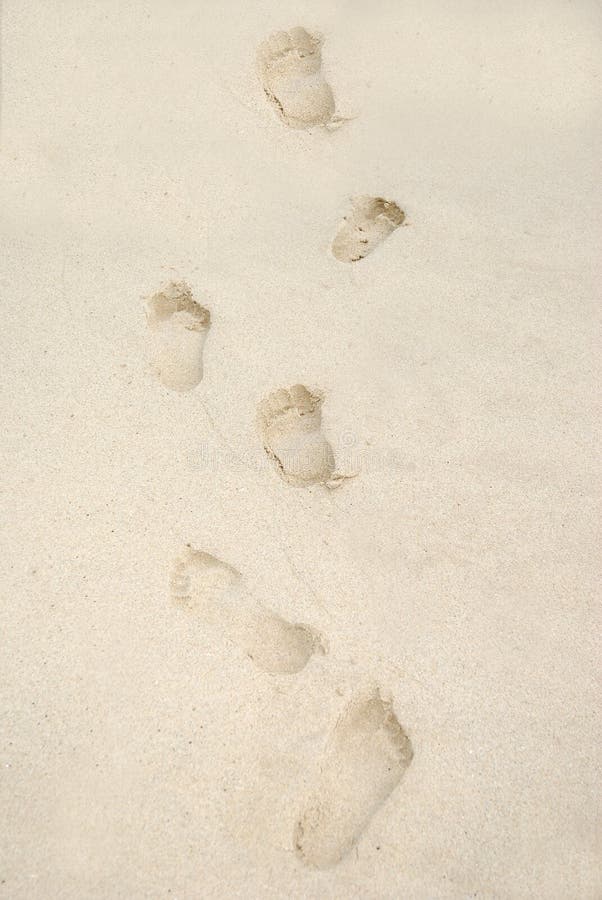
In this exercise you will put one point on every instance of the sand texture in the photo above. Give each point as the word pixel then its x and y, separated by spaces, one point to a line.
pixel 301 485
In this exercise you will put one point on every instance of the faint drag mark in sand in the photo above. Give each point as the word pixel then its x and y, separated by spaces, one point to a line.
pixel 178 326
pixel 213 592
pixel 370 221
pixel 289 65
pixel 276 531
pixel 289 422
pixel 367 756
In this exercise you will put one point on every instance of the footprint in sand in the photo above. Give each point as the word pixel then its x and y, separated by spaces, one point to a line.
pixel 370 221
pixel 213 592
pixel 289 423
pixel 367 756
pixel 179 327
pixel 289 65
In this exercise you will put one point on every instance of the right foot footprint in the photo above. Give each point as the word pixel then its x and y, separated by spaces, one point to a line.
pixel 179 326
pixel 213 591
pixel 289 422
pixel 370 221
pixel 290 70
pixel 368 755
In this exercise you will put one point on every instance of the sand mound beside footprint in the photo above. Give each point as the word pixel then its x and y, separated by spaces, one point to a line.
pixel 370 221
pixel 367 756
pixel 289 65
pixel 178 327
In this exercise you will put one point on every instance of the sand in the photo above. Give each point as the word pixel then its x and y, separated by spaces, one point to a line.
pixel 395 695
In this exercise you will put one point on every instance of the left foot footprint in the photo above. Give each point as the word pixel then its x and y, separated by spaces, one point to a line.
pixel 289 422
pixel 290 70
pixel 179 326
pixel 213 592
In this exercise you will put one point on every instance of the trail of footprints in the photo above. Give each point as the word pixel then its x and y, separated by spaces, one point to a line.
pixel 368 751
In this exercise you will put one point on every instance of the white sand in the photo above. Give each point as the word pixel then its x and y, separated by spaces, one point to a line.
pixel 144 755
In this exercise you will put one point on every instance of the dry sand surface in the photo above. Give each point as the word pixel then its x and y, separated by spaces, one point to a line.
pixel 299 391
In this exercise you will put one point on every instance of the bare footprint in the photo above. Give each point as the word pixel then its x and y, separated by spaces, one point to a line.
pixel 289 65
pixel 179 326
pixel 367 756
pixel 213 592
pixel 370 221
pixel 289 423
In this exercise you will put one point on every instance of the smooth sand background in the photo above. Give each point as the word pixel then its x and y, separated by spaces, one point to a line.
pixel 145 757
